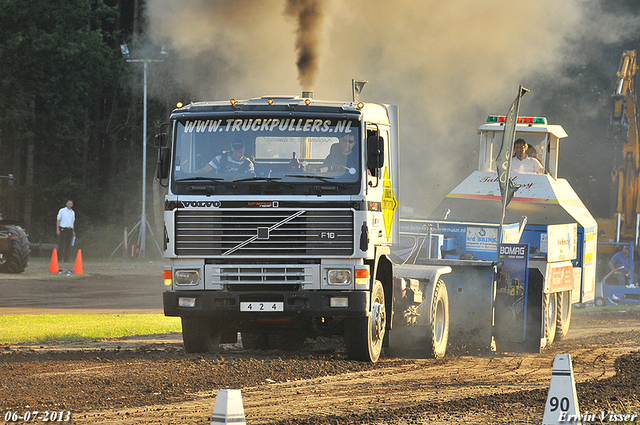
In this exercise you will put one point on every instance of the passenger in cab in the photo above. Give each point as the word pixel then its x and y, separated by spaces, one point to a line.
pixel 523 164
pixel 343 154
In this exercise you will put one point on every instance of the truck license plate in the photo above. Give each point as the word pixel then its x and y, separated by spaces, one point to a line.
pixel 258 306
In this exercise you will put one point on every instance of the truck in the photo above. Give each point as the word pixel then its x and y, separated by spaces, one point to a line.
pixel 14 242
pixel 296 247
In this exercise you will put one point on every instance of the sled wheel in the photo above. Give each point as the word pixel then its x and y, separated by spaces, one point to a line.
pixel 549 317
pixel 600 302
pixel 564 314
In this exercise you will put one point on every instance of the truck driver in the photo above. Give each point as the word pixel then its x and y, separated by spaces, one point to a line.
pixel 230 162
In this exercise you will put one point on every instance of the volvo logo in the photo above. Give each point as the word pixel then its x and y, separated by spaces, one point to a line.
pixel 200 204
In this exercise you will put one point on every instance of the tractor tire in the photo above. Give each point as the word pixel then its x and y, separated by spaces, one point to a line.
pixel 564 314
pixel 254 341
pixel 549 317
pixel 16 260
pixel 200 335
pixel 363 336
pixel 438 328
pixel 286 342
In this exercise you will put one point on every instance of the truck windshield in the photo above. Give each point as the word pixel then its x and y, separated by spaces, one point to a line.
pixel 258 149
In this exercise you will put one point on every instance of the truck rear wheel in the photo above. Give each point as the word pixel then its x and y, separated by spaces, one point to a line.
pixel 16 260
pixel 363 336
pixel 200 335
pixel 549 317
pixel 438 328
pixel 254 341
pixel 286 342
pixel 564 314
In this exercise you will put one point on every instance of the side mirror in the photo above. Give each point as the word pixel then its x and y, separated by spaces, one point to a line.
pixel 160 140
pixel 375 152
pixel 164 161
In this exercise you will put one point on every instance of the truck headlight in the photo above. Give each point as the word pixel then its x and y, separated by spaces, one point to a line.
pixel 339 277
pixel 186 277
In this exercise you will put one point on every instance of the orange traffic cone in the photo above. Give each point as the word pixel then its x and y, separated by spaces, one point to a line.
pixel 53 267
pixel 77 268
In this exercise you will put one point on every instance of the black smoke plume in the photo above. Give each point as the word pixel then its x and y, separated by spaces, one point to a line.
pixel 308 15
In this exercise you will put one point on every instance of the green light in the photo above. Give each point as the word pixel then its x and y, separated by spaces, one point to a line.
pixel 492 118
pixel 540 120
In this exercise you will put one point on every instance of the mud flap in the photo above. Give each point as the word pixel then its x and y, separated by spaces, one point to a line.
pixel 518 327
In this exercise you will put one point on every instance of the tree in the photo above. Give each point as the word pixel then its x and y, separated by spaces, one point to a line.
pixel 61 90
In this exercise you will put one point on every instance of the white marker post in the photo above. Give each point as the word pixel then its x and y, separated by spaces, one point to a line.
pixel 562 401
pixel 228 408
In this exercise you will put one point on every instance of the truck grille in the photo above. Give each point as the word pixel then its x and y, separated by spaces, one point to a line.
pixel 264 233
pixel 255 277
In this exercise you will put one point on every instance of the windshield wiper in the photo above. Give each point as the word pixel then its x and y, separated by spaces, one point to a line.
pixel 206 179
pixel 309 176
pixel 321 178
pixel 266 179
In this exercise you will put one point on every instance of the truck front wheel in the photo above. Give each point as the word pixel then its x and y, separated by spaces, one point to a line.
pixel 200 335
pixel 363 336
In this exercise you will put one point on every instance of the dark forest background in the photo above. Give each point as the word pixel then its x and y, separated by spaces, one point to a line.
pixel 71 117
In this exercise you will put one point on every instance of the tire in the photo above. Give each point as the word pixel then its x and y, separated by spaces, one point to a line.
pixel 254 341
pixel 600 302
pixel 16 260
pixel 549 317
pixel 363 336
pixel 286 342
pixel 438 328
pixel 564 314
pixel 200 335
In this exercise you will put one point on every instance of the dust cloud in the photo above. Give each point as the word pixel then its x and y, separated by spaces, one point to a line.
pixel 446 64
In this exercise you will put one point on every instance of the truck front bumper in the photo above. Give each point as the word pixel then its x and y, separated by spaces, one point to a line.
pixel 295 303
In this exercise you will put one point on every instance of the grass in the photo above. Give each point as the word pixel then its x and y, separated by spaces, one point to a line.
pixel 21 328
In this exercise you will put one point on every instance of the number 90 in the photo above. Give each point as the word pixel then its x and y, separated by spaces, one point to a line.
pixel 563 404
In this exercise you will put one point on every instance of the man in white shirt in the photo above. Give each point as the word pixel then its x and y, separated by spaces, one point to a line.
pixel 521 163
pixel 65 229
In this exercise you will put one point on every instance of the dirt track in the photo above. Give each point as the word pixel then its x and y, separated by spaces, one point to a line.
pixel 145 380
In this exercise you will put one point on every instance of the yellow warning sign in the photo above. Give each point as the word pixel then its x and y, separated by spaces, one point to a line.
pixel 389 203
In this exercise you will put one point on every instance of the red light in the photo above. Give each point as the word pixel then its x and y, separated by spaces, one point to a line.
pixel 502 118
pixel 232 101
pixel 527 120
pixel 270 101
pixel 307 102
pixel 166 274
